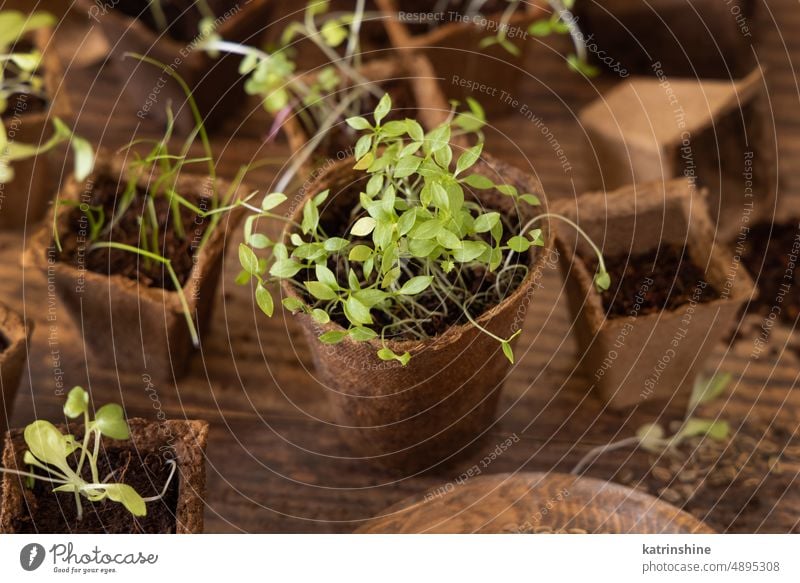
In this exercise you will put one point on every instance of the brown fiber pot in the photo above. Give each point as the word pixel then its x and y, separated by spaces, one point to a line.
pixel 25 199
pixel 215 82
pixel 129 327
pixel 430 106
pixel 12 360
pixel 718 133
pixel 652 358
pixel 184 441
pixel 411 418
pixel 453 47
pixel 700 39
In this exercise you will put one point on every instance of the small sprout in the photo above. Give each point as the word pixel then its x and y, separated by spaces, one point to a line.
pixel 602 281
pixel 50 451
pixel 386 353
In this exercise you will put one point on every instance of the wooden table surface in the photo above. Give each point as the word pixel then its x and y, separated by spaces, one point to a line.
pixel 275 461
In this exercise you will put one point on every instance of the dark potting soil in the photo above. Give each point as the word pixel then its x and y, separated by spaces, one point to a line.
pixel 479 284
pixel 182 15
pixel 645 283
pixel 4 343
pixel 146 472
pixel 778 279
pixel 180 251
pixel 21 104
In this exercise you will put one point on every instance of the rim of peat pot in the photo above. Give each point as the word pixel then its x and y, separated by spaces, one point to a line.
pixel 16 334
pixel 596 332
pixel 441 404
pixel 142 299
pixel 185 439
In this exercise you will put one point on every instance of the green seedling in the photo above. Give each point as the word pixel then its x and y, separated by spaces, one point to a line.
pixel 412 232
pixel 54 453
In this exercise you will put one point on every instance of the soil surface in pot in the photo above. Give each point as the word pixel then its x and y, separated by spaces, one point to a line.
pixel 146 472
pixel 483 289
pixel 180 251
pixel 646 283
pixel 768 257
pixel 182 15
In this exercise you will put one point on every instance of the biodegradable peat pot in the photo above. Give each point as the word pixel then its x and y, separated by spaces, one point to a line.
pixel 27 120
pixel 715 132
pixel 453 46
pixel 415 94
pixel 151 445
pixel 129 325
pixel 14 337
pixel 635 354
pixel 216 84
pixel 410 418
pixel 687 38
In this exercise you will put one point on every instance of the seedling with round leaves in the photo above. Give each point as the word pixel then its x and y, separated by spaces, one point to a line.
pixel 653 438
pixel 19 75
pixel 53 453
pixel 412 234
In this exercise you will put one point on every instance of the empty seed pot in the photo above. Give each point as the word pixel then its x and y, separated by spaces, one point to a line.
pixel 674 293
pixel 717 133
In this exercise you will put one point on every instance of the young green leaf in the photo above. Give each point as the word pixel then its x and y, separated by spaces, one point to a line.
pixel 110 421
pixel 333 337
pixel 248 259
pixel 363 227
pixel 272 200
pixel 383 108
pixel 358 123
pixel 77 403
pixel 264 300
pixel 320 290
pixel 415 285
pixel 128 497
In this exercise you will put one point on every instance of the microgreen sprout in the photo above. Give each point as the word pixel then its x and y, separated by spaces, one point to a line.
pixel 653 438
pixel 562 21
pixel 413 234
pixel 163 168
pixel 19 76
pixel 54 454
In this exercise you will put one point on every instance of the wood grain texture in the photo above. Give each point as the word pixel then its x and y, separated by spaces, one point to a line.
pixel 534 502
pixel 276 461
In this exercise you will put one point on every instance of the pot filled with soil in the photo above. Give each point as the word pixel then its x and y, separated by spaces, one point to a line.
pixel 27 120
pixel 171 34
pixel 142 307
pixel 14 337
pixel 717 133
pixel 454 36
pixel 673 295
pixel 415 94
pixel 163 462
pixel 701 39
pixel 411 417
